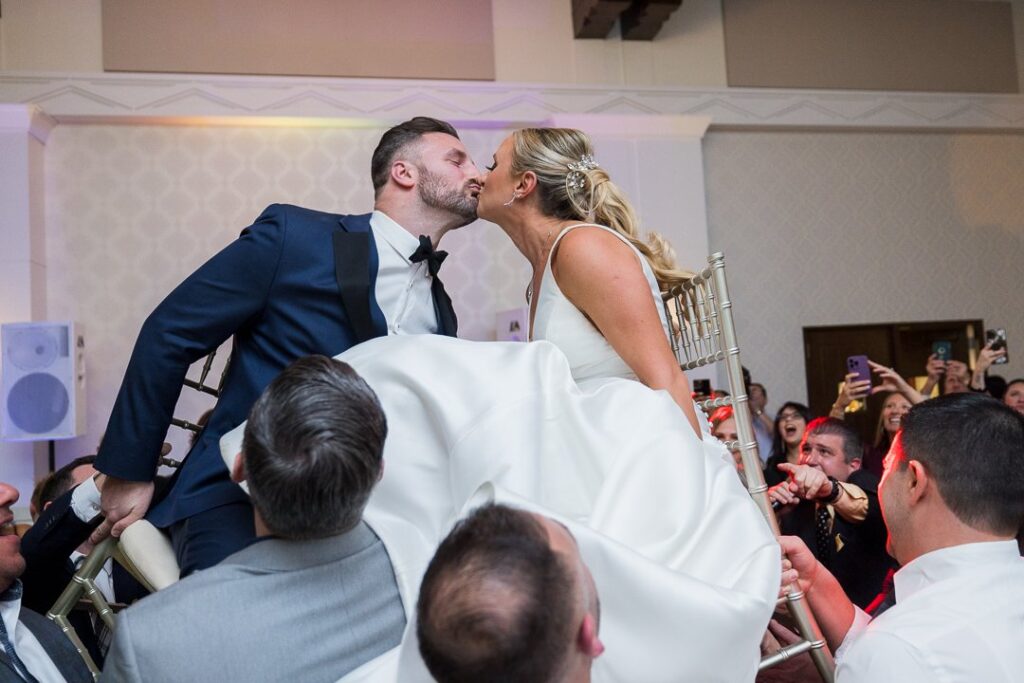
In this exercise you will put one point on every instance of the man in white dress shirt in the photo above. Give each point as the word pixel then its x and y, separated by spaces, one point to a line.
pixel 953 501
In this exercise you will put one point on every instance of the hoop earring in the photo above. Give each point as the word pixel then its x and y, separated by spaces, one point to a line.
pixel 515 196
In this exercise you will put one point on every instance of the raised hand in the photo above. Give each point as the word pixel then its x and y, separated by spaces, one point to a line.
pixel 123 503
pixel 892 381
pixel 986 357
pixel 806 482
pixel 852 390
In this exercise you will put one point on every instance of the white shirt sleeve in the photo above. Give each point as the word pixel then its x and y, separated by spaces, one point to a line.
pixel 881 658
pixel 860 622
pixel 85 500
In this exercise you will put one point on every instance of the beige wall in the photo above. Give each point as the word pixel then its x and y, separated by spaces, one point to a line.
pixel 51 35
pixel 533 43
pixel 902 45
pixel 848 228
pixel 531 38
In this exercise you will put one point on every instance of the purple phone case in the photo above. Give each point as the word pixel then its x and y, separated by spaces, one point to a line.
pixel 859 364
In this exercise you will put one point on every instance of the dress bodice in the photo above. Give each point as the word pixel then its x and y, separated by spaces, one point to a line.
pixel 559 322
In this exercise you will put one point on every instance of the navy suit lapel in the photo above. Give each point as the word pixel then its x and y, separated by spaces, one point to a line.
pixel 355 269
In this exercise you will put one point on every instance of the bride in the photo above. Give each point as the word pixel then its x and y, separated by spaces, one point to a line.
pixel 591 423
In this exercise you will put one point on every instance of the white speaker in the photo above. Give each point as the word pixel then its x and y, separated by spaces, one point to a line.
pixel 43 381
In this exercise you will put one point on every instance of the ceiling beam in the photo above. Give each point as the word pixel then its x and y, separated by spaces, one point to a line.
pixel 595 18
pixel 644 18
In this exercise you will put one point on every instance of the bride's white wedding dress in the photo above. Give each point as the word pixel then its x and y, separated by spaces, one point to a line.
pixel 686 568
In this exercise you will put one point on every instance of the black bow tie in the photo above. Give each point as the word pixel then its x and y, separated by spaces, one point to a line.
pixel 447 323
pixel 426 252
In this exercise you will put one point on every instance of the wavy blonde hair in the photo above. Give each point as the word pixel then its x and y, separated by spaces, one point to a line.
pixel 547 152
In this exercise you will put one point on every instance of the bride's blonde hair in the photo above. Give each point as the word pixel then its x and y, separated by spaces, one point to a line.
pixel 547 152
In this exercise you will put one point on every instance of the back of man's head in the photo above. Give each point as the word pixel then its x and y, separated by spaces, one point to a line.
pixel 497 603
pixel 973 447
pixel 852 446
pixel 63 480
pixel 396 139
pixel 312 449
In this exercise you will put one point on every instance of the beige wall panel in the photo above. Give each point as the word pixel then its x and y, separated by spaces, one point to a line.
pixel 533 43
pixel 920 45
pixel 51 35
pixel 443 39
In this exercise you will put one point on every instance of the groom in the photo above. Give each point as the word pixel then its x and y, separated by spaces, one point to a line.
pixel 296 282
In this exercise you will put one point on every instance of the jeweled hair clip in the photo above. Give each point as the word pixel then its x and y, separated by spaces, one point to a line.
pixel 575 179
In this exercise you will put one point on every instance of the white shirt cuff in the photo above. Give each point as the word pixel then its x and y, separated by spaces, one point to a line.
pixel 85 500
pixel 860 622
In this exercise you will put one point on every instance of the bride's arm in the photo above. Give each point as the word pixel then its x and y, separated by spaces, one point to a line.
pixel 602 277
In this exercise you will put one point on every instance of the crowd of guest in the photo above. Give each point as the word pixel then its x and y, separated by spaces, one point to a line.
pixel 320 565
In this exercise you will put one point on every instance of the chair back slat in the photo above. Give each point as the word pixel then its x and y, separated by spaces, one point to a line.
pixel 700 315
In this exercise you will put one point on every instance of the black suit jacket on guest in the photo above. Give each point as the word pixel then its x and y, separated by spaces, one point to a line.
pixel 55 643
pixel 296 282
pixel 857 555
pixel 47 547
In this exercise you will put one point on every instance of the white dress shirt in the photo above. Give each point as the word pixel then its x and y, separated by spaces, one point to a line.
pixel 85 503
pixel 402 288
pixel 958 617
pixel 28 648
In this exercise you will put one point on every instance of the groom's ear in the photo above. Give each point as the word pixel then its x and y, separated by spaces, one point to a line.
pixel 404 174
pixel 527 184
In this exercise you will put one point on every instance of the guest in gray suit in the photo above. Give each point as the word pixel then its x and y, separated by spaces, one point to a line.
pixel 507 598
pixel 316 596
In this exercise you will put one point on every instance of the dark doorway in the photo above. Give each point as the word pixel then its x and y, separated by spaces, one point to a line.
pixel 902 346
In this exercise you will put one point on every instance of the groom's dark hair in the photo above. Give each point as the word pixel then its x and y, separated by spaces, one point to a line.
pixel 313 449
pixel 396 139
pixel 497 602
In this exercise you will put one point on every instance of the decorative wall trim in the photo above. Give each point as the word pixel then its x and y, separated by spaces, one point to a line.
pixel 191 99
pixel 26 118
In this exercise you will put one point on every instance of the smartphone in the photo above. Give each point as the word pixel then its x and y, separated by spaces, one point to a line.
pixel 702 387
pixel 997 338
pixel 859 365
pixel 943 350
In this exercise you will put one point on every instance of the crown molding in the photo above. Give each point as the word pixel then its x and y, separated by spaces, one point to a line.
pixel 259 100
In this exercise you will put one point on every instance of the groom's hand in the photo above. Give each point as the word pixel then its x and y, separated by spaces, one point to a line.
pixel 123 503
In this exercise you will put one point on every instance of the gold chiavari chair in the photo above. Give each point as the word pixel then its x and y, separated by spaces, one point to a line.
pixel 700 313
pixel 142 549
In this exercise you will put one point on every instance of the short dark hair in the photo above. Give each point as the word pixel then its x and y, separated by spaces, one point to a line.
pixel 973 446
pixel 395 139
pixel 61 481
pixel 313 449
pixel 853 447
pixel 496 603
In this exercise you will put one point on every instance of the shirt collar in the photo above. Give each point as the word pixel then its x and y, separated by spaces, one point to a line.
pixel 950 562
pixel 400 239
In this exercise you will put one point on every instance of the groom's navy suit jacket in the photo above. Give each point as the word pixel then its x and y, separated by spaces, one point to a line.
pixel 296 282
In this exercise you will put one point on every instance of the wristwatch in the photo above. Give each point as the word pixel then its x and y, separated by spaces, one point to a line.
pixel 836 490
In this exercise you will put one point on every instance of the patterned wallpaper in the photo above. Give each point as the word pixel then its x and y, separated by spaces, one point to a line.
pixel 845 228
pixel 132 210
pixel 818 228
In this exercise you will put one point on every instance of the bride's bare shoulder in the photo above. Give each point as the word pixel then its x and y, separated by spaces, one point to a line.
pixel 586 252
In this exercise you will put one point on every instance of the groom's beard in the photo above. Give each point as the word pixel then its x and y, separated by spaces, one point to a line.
pixel 456 201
